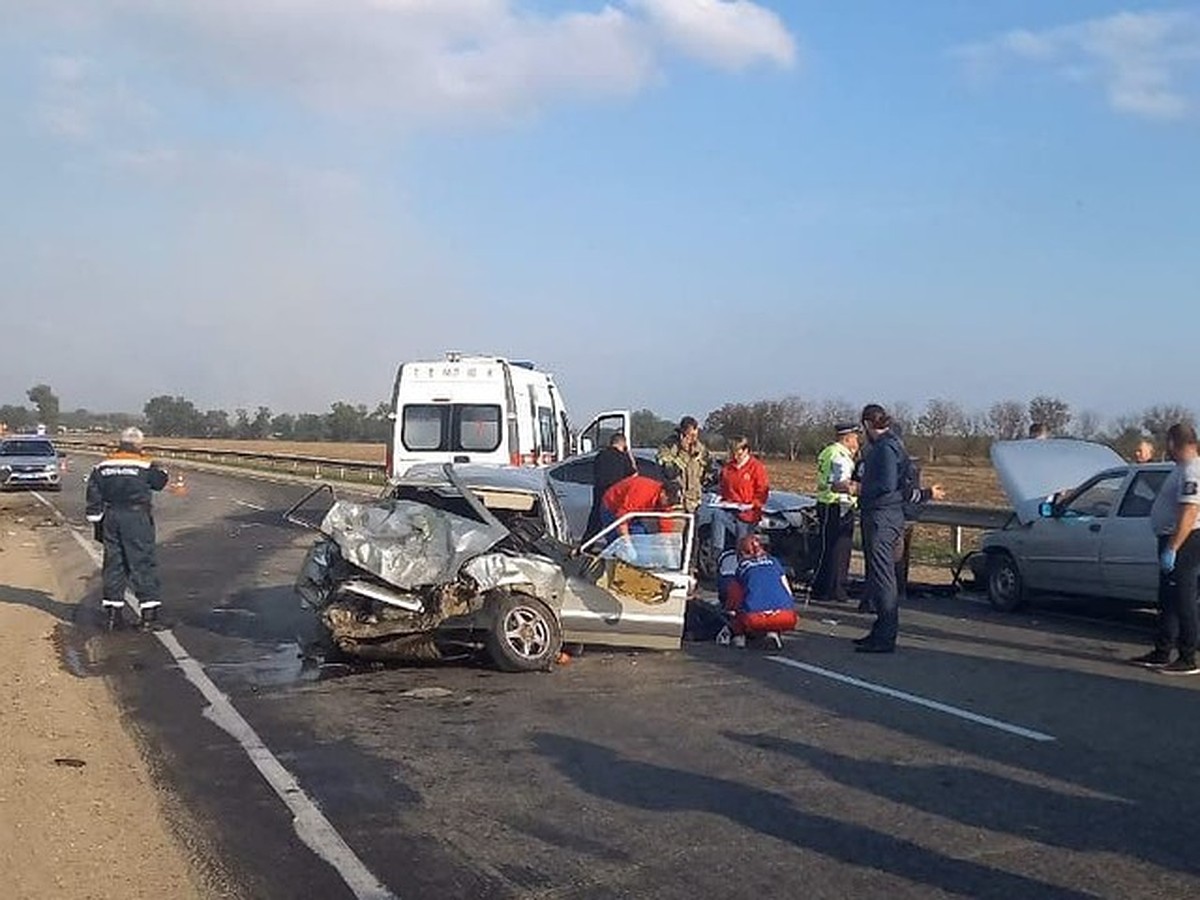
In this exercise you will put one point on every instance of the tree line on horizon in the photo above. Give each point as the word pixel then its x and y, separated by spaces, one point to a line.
pixel 793 427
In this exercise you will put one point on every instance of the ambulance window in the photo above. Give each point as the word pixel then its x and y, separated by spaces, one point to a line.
pixel 423 426
pixel 549 442
pixel 478 428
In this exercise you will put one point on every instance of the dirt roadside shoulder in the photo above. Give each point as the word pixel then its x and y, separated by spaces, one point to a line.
pixel 79 814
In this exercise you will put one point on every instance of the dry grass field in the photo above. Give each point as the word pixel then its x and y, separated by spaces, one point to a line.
pixel 973 485
pixel 970 485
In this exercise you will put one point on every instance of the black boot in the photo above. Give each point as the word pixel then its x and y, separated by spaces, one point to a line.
pixel 113 618
pixel 149 618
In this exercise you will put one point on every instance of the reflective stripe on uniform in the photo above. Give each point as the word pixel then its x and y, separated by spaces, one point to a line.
pixel 825 492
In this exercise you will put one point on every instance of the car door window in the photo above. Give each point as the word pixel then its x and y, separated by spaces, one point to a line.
pixel 1096 499
pixel 577 472
pixel 655 543
pixel 1140 496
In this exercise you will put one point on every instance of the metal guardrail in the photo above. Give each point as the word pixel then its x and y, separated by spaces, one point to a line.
pixel 953 515
pixel 298 464
pixel 959 517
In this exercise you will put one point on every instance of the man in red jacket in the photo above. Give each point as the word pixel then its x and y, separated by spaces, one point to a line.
pixel 636 494
pixel 744 490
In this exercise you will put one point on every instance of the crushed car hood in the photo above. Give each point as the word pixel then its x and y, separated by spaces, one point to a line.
pixel 786 501
pixel 1031 470
pixel 406 543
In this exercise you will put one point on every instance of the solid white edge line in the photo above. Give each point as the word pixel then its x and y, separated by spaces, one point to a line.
pixel 915 699
pixel 310 824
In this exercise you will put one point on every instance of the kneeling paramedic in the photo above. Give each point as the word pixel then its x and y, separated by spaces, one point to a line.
pixel 758 596
pixel 118 504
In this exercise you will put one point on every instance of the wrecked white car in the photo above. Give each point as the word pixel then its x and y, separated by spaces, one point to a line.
pixel 455 559
pixel 1081 524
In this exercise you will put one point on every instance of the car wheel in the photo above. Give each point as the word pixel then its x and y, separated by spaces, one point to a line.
pixel 1006 589
pixel 524 635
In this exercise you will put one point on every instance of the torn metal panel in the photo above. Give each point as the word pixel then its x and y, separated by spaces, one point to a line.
pixel 407 544
pixel 496 570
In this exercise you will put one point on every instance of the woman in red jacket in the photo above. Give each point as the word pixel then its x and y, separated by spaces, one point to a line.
pixel 744 491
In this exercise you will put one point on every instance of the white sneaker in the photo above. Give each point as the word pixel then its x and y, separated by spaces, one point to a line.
pixel 724 636
pixel 774 641
pixel 739 641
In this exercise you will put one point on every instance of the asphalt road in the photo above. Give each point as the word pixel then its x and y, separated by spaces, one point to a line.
pixel 1050 769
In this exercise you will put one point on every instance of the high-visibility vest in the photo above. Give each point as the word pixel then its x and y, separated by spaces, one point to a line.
pixel 825 491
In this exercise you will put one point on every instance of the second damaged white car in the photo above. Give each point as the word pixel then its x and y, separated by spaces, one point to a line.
pixel 457 559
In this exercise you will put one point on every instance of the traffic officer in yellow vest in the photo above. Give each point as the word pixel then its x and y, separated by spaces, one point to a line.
pixel 836 503
pixel 118 503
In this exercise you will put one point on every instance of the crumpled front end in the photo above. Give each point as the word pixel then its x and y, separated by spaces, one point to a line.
pixel 401 580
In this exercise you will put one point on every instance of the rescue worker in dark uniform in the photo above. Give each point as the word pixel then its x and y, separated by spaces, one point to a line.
pixel 612 464
pixel 118 502
pixel 889 485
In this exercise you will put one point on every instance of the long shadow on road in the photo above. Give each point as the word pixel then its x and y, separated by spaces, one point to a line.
pixel 986 800
pixel 605 773
pixel 1121 738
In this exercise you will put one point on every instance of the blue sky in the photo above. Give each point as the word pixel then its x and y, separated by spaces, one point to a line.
pixel 670 203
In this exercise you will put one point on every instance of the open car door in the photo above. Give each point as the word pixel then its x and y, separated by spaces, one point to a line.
pixel 599 431
pixel 631 592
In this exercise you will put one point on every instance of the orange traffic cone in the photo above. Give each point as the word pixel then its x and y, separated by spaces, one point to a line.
pixel 178 487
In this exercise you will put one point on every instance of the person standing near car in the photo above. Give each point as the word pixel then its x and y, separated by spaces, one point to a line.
pixel 119 491
pixel 686 452
pixel 1144 452
pixel 744 490
pixel 1175 517
pixel 610 465
pixel 836 502
pixel 889 485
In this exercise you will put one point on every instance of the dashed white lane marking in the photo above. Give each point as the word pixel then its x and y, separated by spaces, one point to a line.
pixel 915 699
pixel 311 826
pixel 249 505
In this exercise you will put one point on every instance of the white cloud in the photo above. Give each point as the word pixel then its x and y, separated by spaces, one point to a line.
pixel 436 59
pixel 76 101
pixel 731 35
pixel 1146 63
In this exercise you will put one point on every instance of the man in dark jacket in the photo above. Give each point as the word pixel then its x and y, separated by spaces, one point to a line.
pixel 612 464
pixel 118 500
pixel 890 485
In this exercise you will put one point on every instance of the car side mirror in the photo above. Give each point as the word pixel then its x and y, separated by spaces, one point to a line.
pixel 585 445
pixel 1046 509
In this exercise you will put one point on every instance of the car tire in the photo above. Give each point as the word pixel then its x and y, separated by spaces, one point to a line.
pixel 524 635
pixel 1005 586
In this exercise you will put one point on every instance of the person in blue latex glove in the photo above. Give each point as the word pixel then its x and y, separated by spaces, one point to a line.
pixel 1175 518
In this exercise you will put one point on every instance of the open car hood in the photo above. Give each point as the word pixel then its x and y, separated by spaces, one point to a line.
pixel 406 543
pixel 1032 470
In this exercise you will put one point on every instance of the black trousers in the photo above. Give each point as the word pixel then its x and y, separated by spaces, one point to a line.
pixel 837 542
pixel 129 555
pixel 885 534
pixel 1177 595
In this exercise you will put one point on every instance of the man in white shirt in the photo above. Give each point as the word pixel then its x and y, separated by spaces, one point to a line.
pixel 1175 518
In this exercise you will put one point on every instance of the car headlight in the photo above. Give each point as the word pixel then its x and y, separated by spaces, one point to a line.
pixel 50 467
pixel 772 522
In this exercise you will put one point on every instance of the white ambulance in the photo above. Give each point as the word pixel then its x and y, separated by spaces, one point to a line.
pixel 485 409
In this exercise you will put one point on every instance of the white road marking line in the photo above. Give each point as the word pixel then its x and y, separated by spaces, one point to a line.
pixel 249 505
pixel 310 824
pixel 936 706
